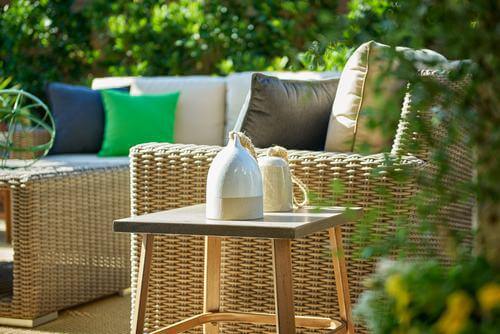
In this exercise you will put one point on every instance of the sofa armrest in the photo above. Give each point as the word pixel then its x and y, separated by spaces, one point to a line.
pixel 165 176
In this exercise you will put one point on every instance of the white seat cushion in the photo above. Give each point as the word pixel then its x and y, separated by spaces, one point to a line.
pixel 238 86
pixel 81 161
pixel 199 118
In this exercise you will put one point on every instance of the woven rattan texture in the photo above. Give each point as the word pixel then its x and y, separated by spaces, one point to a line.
pixel 65 252
pixel 437 142
pixel 28 139
pixel 168 176
pixel 105 316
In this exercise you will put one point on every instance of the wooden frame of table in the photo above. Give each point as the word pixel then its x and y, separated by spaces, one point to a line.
pixel 281 228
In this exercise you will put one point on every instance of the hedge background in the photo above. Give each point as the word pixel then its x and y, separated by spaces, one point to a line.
pixel 75 41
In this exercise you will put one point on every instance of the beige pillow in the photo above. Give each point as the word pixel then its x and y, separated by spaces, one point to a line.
pixel 112 82
pixel 199 118
pixel 360 91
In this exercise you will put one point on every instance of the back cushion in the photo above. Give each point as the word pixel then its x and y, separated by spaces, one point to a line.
pixel 112 82
pixel 361 91
pixel 238 86
pixel 289 113
pixel 200 111
pixel 79 118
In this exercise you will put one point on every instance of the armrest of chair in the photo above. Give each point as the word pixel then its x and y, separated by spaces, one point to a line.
pixel 166 176
pixel 388 187
pixel 179 171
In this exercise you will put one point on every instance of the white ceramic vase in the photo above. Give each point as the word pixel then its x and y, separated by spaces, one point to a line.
pixel 234 185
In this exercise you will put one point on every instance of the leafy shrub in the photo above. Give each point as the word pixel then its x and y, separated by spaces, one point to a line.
pixel 365 20
pixel 74 41
pixel 43 41
pixel 154 37
pixel 427 297
pixel 6 83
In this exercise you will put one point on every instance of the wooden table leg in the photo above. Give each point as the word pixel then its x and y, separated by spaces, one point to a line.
pixel 141 296
pixel 212 280
pixel 341 282
pixel 7 214
pixel 283 286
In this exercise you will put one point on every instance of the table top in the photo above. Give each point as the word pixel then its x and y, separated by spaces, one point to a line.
pixel 191 220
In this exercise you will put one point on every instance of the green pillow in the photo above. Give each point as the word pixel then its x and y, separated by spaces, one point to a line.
pixel 132 120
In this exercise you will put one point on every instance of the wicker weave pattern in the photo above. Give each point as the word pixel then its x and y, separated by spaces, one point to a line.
pixel 26 139
pixel 167 176
pixel 65 252
pixel 458 154
pixel 410 140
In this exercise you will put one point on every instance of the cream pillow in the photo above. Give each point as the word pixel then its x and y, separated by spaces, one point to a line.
pixel 199 118
pixel 358 93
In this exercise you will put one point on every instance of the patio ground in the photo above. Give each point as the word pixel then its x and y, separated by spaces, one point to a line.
pixel 106 316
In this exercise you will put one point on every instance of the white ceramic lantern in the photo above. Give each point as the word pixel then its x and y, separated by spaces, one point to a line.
pixel 234 184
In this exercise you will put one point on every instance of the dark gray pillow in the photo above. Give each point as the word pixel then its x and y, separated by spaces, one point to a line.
pixel 290 113
pixel 79 118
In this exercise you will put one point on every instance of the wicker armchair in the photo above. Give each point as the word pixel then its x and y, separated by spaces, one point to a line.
pixel 165 176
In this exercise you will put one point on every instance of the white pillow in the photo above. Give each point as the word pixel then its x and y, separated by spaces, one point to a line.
pixel 199 118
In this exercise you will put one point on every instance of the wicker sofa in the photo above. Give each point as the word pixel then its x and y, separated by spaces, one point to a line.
pixel 165 176
pixel 65 253
pixel 59 211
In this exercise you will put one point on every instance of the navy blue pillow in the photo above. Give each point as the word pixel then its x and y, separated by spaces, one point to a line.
pixel 79 118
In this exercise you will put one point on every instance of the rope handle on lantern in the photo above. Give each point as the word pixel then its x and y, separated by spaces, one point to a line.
pixel 275 151
pixel 245 142
pixel 281 152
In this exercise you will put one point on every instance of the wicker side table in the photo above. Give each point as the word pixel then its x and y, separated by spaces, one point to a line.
pixel 281 228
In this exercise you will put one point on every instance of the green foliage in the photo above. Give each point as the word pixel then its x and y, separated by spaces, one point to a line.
pixel 153 37
pixel 459 30
pixel 366 20
pixel 329 58
pixel 426 297
pixel 5 82
pixel 463 30
pixel 45 40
